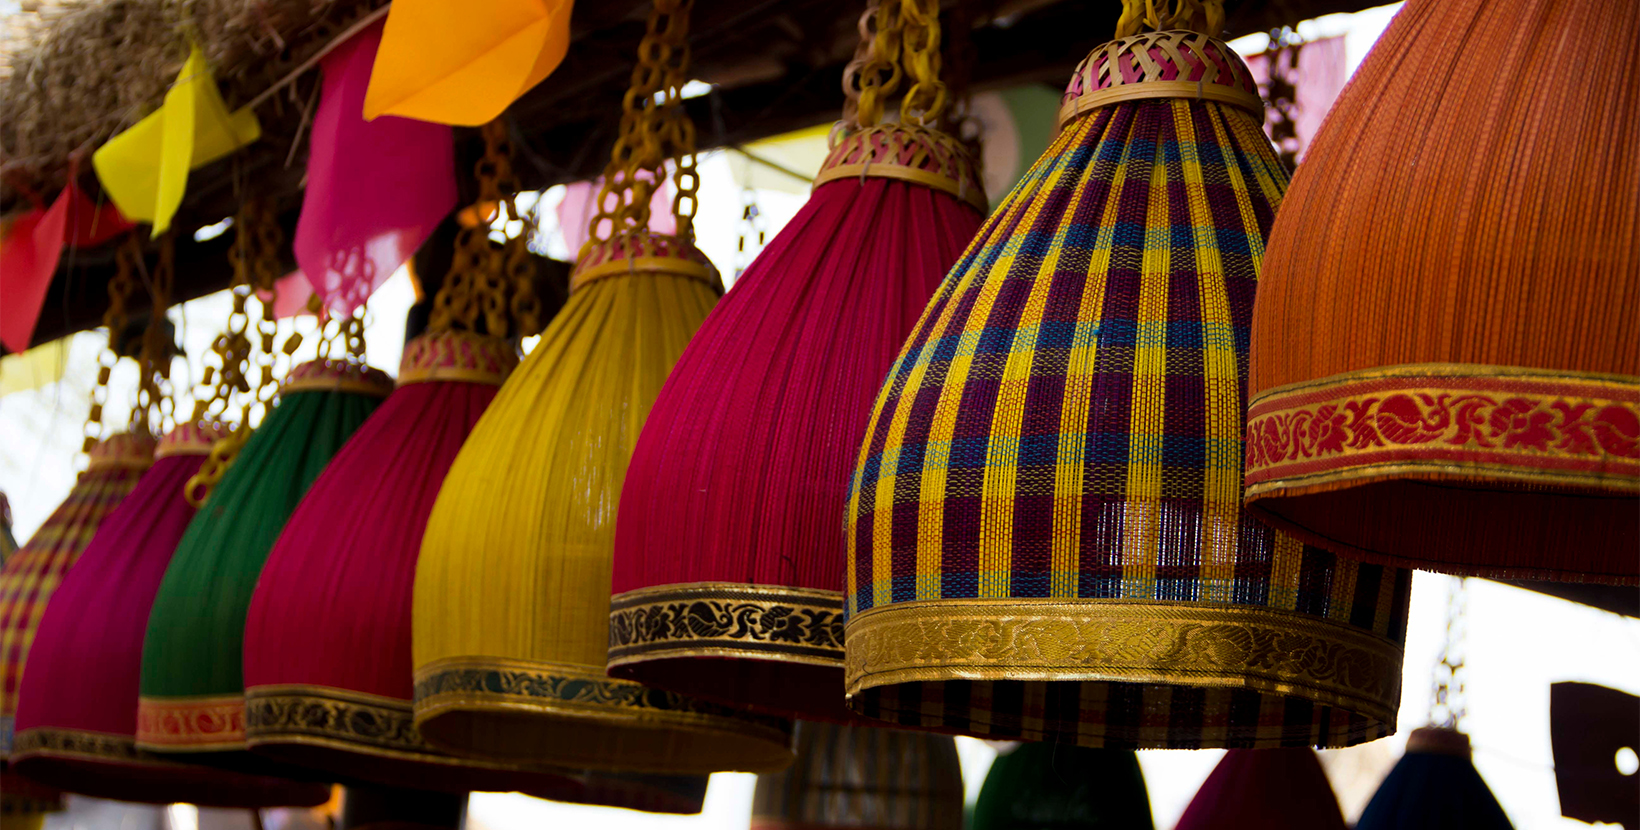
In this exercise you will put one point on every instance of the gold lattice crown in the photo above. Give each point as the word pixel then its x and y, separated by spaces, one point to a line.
pixel 895 151
pixel 642 251
pixel 457 356
pixel 1169 64
pixel 191 439
pixel 325 375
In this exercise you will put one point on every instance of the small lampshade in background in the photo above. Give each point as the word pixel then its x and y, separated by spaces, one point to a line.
pixel 863 777
pixel 1046 532
pixel 1434 785
pixel 1044 786
pixel 81 736
pixel 1265 789
pixel 1445 367
pixel 192 696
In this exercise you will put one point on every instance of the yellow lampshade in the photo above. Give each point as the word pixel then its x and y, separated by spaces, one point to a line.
pixel 512 586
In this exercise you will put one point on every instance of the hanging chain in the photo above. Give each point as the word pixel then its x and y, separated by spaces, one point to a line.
pixel 120 288
pixel 154 412
pixel 481 278
pixel 1450 703
pixel 1205 16
pixel 873 76
pixel 924 102
pixel 653 129
pixel 1281 92
pixel 752 224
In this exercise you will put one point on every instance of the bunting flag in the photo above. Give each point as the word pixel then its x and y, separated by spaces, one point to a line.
pixel 440 62
pixel 32 245
pixel 145 169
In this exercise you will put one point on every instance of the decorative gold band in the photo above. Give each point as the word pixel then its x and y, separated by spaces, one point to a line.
pixel 726 619
pixel 1130 641
pixel 973 196
pixel 91 746
pixel 191 724
pixel 633 266
pixel 1530 427
pixel 1193 90
pixel 336 384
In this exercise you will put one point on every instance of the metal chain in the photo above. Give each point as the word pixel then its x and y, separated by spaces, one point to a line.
pixel 924 102
pixel 873 76
pixel 751 223
pixel 1450 702
pixel 653 129
pixel 1206 16
pixel 153 412
pixel 120 288
pixel 481 278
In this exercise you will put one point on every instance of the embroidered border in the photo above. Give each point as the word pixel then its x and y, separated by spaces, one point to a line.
pixel 77 743
pixel 347 719
pixel 1130 641
pixel 191 723
pixel 725 619
pixel 1530 426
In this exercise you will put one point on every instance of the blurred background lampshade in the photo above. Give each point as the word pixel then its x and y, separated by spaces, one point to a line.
pixel 511 613
pixel 1434 785
pixel 728 553
pixel 1445 364
pixel 32 572
pixel 192 690
pixel 8 542
pixel 80 735
pixel 1045 530
pixel 1044 786
pixel 863 777
pixel 1265 789
pixel 327 635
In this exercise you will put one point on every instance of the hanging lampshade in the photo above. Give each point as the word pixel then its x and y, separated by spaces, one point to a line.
pixel 1044 526
pixel 511 612
pixel 327 635
pixel 1265 789
pixel 1060 787
pixel 80 736
pixel 192 688
pixel 728 554
pixel 863 777
pixel 1445 367
pixel 1434 785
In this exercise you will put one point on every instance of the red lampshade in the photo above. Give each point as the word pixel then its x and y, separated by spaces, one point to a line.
pixel 81 735
pixel 1265 789
pixel 327 637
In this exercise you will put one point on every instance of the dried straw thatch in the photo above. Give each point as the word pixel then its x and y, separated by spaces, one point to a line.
pixel 75 72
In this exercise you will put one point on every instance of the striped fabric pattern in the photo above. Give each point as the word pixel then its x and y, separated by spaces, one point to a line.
pixel 1066 422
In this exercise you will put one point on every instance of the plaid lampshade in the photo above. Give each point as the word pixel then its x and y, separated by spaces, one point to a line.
pixel 728 553
pixel 192 691
pixel 1045 529
pixel 1047 786
pixel 864 778
pixel 81 736
pixel 327 635
pixel 1434 785
pixel 1283 788
pixel 1445 364
pixel 511 604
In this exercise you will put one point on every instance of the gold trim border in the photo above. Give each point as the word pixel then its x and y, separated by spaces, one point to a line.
pixel 973 197
pixel 759 622
pixel 1128 641
pixel 633 266
pixel 1188 90
pixel 151 711
pixel 84 744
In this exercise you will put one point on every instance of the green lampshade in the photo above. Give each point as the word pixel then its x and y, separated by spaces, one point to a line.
pixel 1045 786
pixel 192 691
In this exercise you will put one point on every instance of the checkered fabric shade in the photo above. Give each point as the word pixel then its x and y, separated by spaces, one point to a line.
pixel 1045 526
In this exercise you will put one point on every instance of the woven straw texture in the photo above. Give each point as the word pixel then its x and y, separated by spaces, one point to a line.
pixel 511 604
pixel 1044 525
pixel 1057 787
pixel 1267 789
pixel 1445 362
pixel 743 466
pixel 77 710
pixel 32 573
pixel 192 688
pixel 863 777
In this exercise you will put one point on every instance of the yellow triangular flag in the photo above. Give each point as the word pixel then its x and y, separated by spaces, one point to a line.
pixel 441 62
pixel 145 169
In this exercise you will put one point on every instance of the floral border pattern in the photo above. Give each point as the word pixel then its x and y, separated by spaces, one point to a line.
pixel 774 620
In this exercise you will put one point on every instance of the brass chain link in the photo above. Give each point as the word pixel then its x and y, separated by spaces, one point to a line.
pixel 874 75
pixel 924 102
pixel 654 129
pixel 499 283
pixel 153 412
pixel 120 288
pixel 1205 16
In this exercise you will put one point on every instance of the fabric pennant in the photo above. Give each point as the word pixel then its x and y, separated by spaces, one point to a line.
pixel 145 169
pixel 375 189
pixel 32 245
pixel 440 62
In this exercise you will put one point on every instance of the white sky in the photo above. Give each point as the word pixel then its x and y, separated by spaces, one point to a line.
pixel 1518 642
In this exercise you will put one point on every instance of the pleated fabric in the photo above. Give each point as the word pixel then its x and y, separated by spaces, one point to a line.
pixel 1061 787
pixel 192 692
pixel 1265 789
pixel 1434 785
pixel 77 706
pixel 1045 530
pixel 32 574
pixel 728 555
pixel 1445 361
pixel 511 607
pixel 863 777
pixel 327 634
